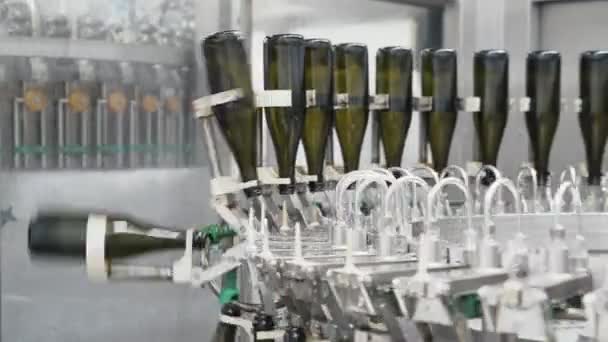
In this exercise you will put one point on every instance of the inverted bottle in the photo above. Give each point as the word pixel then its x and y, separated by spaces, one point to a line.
pixel 543 87
pixel 318 69
pixel 394 77
pixel 285 70
pixel 593 118
pixel 351 77
pixel 439 80
pixel 491 74
pixel 227 69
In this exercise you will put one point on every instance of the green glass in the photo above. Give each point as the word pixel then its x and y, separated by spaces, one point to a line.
pixel 228 68
pixel 593 118
pixel 426 77
pixel 394 77
pixel 285 70
pixel 491 83
pixel 318 69
pixel 351 77
pixel 440 81
pixel 66 236
pixel 543 69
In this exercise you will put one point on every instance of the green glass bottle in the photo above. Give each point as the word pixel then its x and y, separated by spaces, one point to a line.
pixel 228 68
pixel 285 70
pixel 543 83
pixel 394 77
pixel 426 78
pixel 440 81
pixel 66 236
pixel 318 70
pixel 593 118
pixel 491 83
pixel 351 77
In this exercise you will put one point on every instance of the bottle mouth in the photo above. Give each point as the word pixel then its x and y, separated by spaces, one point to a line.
pixel 287 189
pixel 223 36
pixel 318 43
pixel 318 186
pixel 254 191
pixel 285 38
pixel 356 48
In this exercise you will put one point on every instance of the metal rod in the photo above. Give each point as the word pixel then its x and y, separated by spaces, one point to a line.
pixel 132 134
pixel 99 125
pixel 85 136
pixel 161 126
pixel 61 133
pixel 17 138
pixel 211 149
pixel 375 138
pixel 148 156
pixel 44 137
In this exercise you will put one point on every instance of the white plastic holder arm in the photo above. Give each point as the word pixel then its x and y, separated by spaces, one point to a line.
pixel 232 259
pixel 268 175
pixel 263 99
pixel 303 177
pixel 277 98
pixel 228 185
pixel 182 268
pixel 203 106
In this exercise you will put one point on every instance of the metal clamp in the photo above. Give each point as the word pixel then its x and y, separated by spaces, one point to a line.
pixel 311 98
pixel 525 104
pixel 423 104
pixel 61 117
pixel 341 101
pixel 273 98
pixel 469 104
pixel 379 102
pixel 203 106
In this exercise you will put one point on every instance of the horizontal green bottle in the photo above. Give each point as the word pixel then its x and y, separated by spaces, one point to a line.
pixel 351 77
pixel 228 68
pixel 593 118
pixel 394 77
pixel 440 79
pixel 543 87
pixel 66 236
pixel 285 70
pixel 491 85
pixel 318 70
